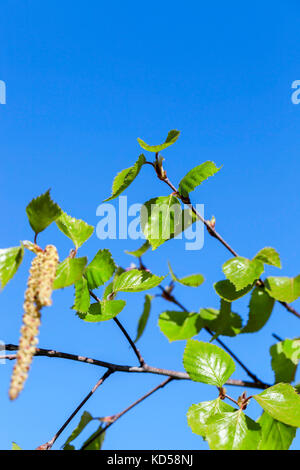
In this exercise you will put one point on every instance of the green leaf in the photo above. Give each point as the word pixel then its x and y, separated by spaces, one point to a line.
pixel 269 256
pixel 211 320
pixel 226 321
pixel 136 281
pixel 274 434
pixel 179 325
pixel 82 296
pixel 106 310
pixel 85 419
pixel 15 446
pixel 142 250
pixel 100 270
pixel 285 359
pixel 171 139
pixel 260 309
pixel 198 415
pixel 144 317
pixel 77 230
pixel 160 219
pixel 126 177
pixel 232 431
pixel 10 260
pixel 207 363
pixel 108 291
pixel 196 176
pixel 68 272
pixel 284 289
pixel 42 211
pixel 282 403
pixel 194 280
pixel 226 290
pixel 242 271
pixel 96 444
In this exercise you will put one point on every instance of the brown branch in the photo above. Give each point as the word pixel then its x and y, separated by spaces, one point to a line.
pixel 114 418
pixel 50 443
pixel 130 341
pixel 131 369
pixel 211 230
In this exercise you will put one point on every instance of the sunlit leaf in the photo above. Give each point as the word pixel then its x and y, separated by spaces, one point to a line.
pixel 284 289
pixel 68 272
pixel 285 359
pixel 140 251
pixel 196 176
pixel 193 280
pixel 207 363
pixel 82 296
pixel 10 260
pixel 171 139
pixel 100 269
pixel 281 402
pixel 136 281
pixel 269 256
pixel 274 434
pixel 126 177
pixel 42 211
pixel 103 311
pixel 179 325
pixel 211 319
pixel 198 415
pixel 242 271
pixel 77 230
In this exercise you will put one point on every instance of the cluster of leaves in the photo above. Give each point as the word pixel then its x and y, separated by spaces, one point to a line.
pixel 221 425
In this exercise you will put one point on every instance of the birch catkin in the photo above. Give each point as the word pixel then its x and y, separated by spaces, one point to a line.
pixel 37 295
pixel 47 275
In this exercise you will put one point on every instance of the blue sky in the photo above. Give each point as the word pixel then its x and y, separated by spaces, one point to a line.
pixel 84 80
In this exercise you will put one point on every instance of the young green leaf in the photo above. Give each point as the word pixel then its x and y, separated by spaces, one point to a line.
pixel 282 403
pixel 15 446
pixel 226 321
pixel 100 269
pixel 260 309
pixel 211 319
pixel 226 290
pixel 207 363
pixel 85 419
pixel 68 272
pixel 171 139
pixel 198 415
pixel 96 443
pixel 126 177
pixel 136 281
pixel 179 325
pixel 285 359
pixel 77 230
pixel 82 296
pixel 144 317
pixel 232 431
pixel 10 260
pixel 196 176
pixel 194 280
pixel 274 434
pixel 160 219
pixel 42 211
pixel 106 310
pixel 242 271
pixel 284 289
pixel 140 251
pixel 269 256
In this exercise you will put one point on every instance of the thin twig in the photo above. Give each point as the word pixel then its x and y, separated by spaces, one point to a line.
pixel 130 341
pixel 50 443
pixel 114 418
pixel 131 369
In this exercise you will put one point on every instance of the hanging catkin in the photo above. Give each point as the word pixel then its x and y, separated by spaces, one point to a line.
pixel 47 276
pixel 38 294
